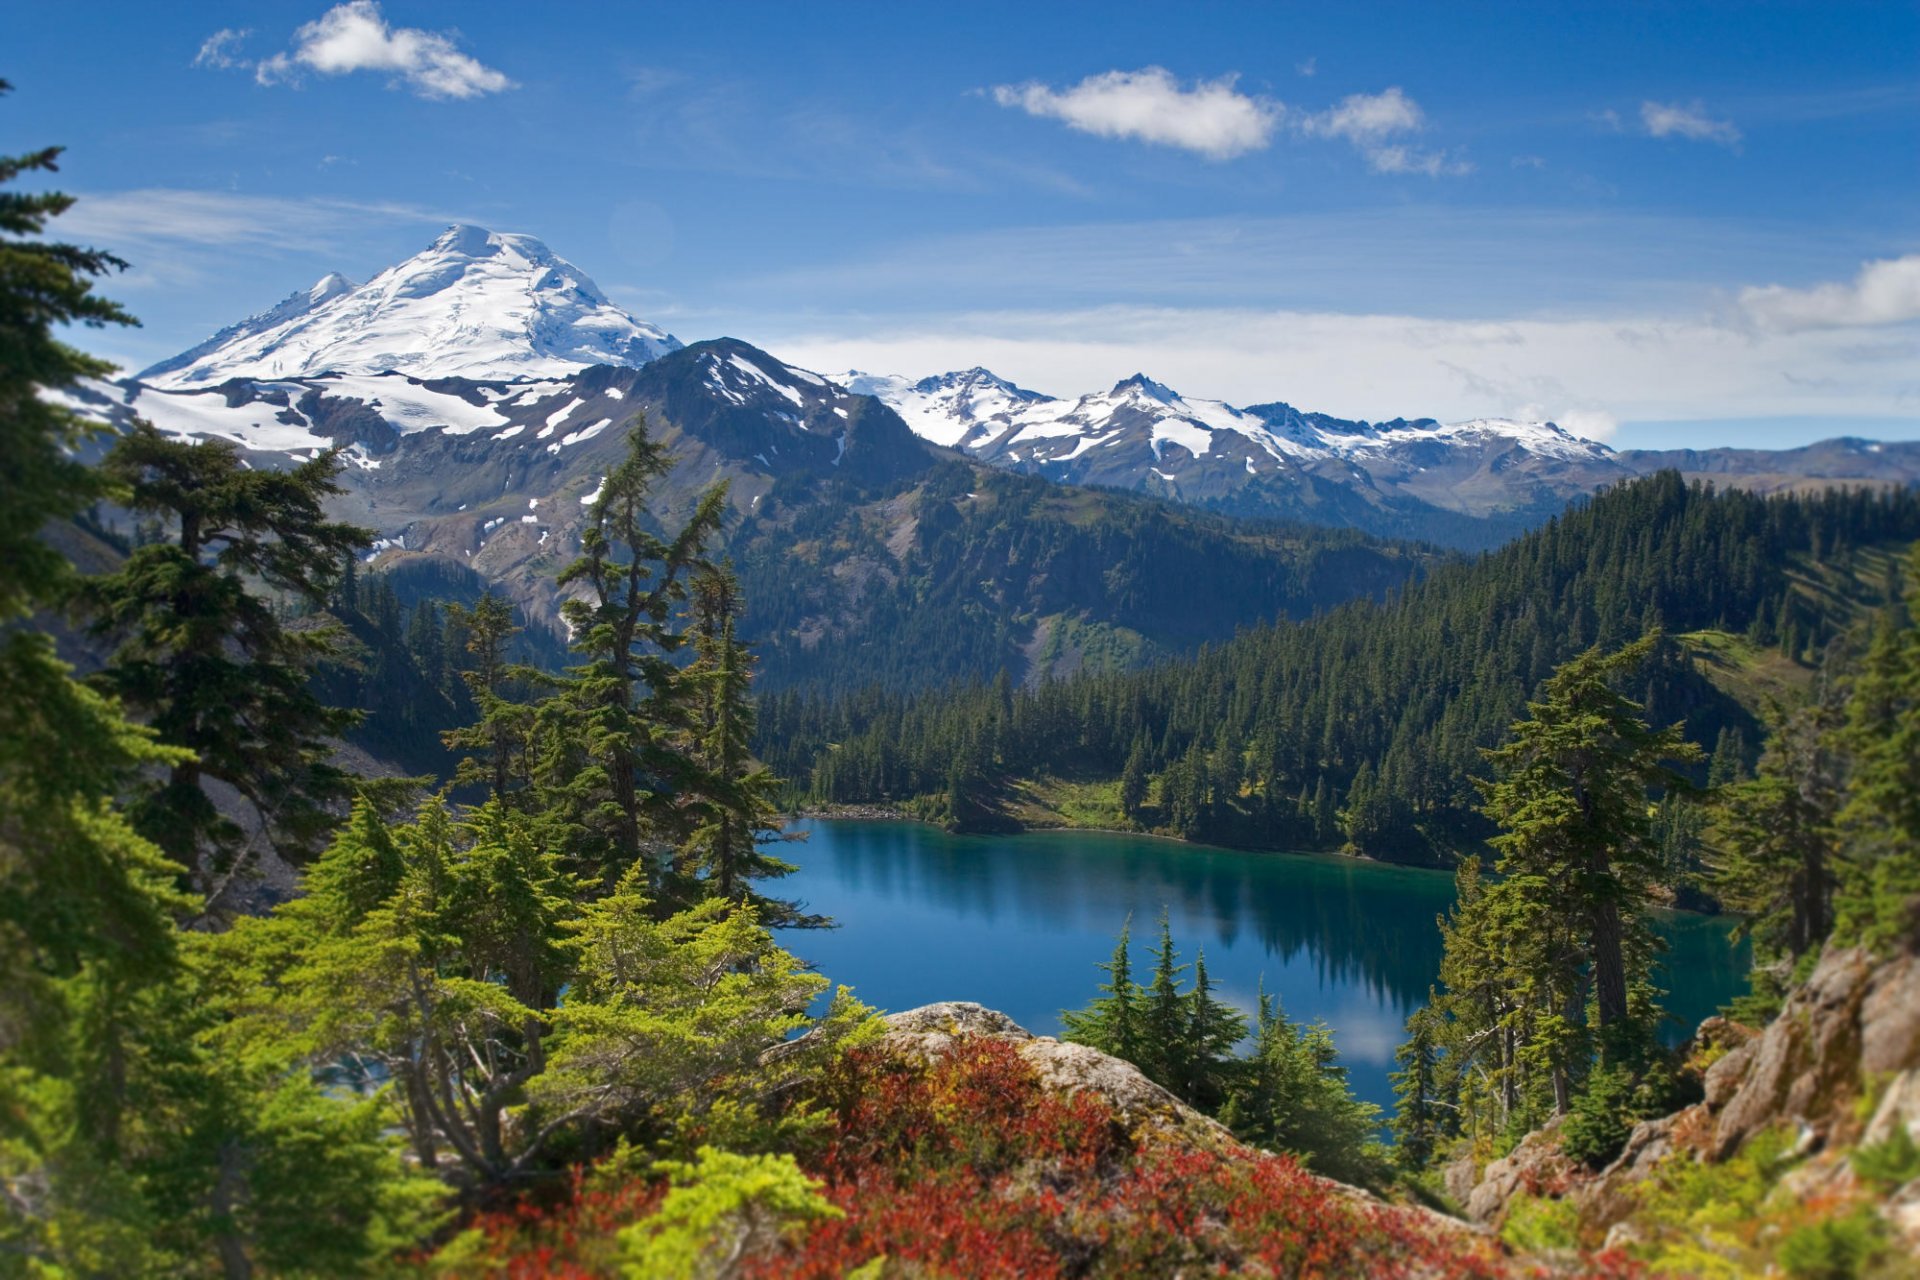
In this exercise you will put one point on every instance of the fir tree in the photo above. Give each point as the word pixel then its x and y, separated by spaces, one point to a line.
pixel 614 733
pixel 735 806
pixel 1879 894
pixel 208 662
pixel 1114 1022
pixel 1570 796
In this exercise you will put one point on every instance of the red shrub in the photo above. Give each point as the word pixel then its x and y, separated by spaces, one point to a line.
pixel 965 1166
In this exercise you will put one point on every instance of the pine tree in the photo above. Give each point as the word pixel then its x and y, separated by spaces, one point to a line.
pixel 1114 1022
pixel 1773 858
pixel 1879 894
pixel 1422 1115
pixel 1168 1058
pixel 614 756
pixel 205 659
pixel 1291 1094
pixel 1214 1031
pixel 505 726
pixel 1133 779
pixel 1570 796
pixel 735 805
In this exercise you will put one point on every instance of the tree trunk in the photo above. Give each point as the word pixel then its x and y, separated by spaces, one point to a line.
pixel 1609 965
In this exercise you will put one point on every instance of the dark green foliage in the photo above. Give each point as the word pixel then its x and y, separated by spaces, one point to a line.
pixel 610 760
pixel 206 660
pixel 1287 1093
pixel 1410 690
pixel 1879 893
pixel 1423 1119
pixel 1546 1005
pixel 1773 858
pixel 1601 1118
pixel 1834 1249
pixel 1291 1094
pixel 1115 1022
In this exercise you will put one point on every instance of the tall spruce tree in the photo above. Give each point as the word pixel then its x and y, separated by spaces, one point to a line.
pixel 504 730
pixel 1570 794
pixel 735 810
pixel 1879 893
pixel 207 661
pixel 615 754
pixel 1113 1022
pixel 1772 857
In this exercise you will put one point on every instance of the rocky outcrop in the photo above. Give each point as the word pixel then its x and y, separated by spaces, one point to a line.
pixel 1850 1032
pixel 1535 1167
pixel 1145 1107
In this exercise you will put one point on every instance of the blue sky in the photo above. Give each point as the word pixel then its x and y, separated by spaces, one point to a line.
pixel 1660 224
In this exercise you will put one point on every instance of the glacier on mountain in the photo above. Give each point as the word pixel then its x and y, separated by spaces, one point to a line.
pixel 477 304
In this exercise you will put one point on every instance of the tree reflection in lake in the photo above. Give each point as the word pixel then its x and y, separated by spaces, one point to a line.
pixel 1018 923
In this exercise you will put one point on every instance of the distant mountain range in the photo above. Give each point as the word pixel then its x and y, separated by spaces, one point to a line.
pixel 481 388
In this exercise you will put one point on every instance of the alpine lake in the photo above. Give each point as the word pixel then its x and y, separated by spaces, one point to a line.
pixel 1019 923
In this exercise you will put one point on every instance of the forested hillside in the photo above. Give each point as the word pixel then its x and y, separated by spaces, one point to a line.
pixel 1364 726
pixel 969 571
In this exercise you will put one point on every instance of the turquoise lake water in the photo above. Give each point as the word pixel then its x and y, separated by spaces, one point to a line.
pixel 1018 924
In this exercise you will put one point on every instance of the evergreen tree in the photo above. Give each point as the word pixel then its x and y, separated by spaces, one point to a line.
pixel 1134 778
pixel 504 730
pixel 1214 1032
pixel 1291 1095
pixel 1422 1114
pixel 1879 894
pixel 132 1141
pixel 1570 796
pixel 736 817
pixel 1114 1022
pixel 1773 859
pixel 208 662
pixel 613 755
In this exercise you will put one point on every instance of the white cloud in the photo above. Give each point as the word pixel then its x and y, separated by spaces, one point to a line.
pixel 1372 122
pixel 1212 118
pixel 1363 118
pixel 1886 291
pixel 1691 121
pixel 1404 159
pixel 1587 373
pixel 355 37
pixel 217 50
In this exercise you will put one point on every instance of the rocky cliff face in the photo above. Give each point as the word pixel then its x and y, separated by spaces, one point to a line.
pixel 1836 1072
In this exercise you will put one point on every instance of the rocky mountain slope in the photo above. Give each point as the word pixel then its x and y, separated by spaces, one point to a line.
pixel 480 389
pixel 1812 1119
pixel 868 555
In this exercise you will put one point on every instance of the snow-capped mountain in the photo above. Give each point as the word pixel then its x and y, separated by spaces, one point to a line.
pixel 1264 459
pixel 474 304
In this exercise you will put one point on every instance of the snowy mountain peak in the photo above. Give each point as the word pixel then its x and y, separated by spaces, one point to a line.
pixel 1140 383
pixel 475 303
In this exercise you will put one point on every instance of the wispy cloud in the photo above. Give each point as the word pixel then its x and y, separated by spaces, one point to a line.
pixel 1212 118
pixel 1376 123
pixel 164 216
pixel 356 37
pixel 1886 291
pixel 219 50
pixel 1686 120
